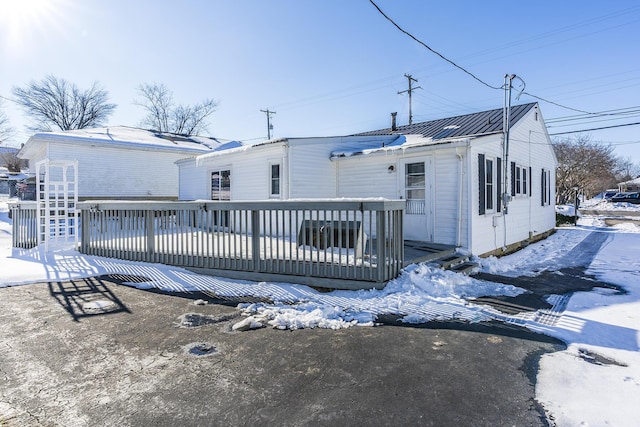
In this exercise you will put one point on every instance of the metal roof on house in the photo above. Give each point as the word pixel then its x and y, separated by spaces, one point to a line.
pixel 475 124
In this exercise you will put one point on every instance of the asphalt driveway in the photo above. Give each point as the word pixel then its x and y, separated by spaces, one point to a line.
pixel 95 353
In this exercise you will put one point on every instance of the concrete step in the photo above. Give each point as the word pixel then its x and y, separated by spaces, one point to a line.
pixel 464 268
pixel 449 261
pixel 457 262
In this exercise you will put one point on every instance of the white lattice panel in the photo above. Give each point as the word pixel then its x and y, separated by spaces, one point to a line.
pixel 57 196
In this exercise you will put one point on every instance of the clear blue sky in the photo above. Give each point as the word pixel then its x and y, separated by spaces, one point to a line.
pixel 332 67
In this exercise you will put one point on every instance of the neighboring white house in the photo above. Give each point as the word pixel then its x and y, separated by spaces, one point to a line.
pixel 452 173
pixel 632 185
pixel 121 162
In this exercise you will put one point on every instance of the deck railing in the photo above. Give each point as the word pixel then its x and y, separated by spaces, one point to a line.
pixel 345 244
pixel 25 224
pixel 337 244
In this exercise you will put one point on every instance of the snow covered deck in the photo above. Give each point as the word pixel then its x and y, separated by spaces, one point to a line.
pixel 348 244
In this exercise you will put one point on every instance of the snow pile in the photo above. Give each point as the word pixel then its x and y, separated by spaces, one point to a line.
pixel 305 315
pixel 603 205
pixel 567 210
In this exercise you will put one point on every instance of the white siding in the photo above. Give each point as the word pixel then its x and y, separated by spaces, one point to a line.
pixel 39 155
pixel 249 173
pixel 313 174
pixel 192 181
pixel 529 146
pixel 368 176
pixel 306 168
pixel 448 195
pixel 114 172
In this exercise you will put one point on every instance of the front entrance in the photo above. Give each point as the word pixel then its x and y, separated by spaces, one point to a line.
pixel 417 191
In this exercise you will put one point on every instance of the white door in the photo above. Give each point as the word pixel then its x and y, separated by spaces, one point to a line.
pixel 416 190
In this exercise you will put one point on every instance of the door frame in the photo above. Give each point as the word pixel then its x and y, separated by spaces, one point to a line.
pixel 426 224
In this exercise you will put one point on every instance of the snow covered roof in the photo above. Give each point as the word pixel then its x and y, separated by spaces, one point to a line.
pixel 633 181
pixel 133 138
pixel 402 142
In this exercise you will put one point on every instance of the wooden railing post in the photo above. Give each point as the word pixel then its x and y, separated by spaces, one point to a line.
pixel 255 239
pixel 381 236
pixel 84 233
pixel 149 220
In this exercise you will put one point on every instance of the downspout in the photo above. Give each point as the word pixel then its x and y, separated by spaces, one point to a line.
pixel 337 163
pixel 530 184
pixel 286 164
pixel 460 188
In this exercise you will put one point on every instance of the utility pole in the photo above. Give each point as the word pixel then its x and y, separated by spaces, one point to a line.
pixel 506 124
pixel 269 125
pixel 411 89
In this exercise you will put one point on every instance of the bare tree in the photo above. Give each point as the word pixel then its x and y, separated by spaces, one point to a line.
pixel 11 160
pixel 627 169
pixel 164 116
pixel 56 103
pixel 6 131
pixel 589 165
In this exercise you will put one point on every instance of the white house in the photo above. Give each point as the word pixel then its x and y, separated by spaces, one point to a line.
pixel 632 185
pixel 121 162
pixel 462 184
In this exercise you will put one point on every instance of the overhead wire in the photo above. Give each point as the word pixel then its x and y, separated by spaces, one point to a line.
pixel 592 129
pixel 615 112
pixel 431 49
pixel 557 104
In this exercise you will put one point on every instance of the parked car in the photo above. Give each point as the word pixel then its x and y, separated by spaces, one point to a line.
pixel 607 195
pixel 626 198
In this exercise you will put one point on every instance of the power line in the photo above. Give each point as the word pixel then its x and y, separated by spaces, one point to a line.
pixel 615 112
pixel 600 128
pixel 432 50
pixel 556 104
pixel 462 68
pixel 591 122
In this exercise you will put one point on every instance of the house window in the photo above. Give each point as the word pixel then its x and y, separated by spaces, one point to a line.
pixel 414 187
pixel 274 181
pixel 519 182
pixel 221 185
pixel 490 182
pixel 545 187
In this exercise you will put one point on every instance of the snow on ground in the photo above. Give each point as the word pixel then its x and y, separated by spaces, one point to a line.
pixel 596 381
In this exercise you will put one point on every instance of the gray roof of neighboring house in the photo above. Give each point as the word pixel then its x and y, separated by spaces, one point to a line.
pixel 474 124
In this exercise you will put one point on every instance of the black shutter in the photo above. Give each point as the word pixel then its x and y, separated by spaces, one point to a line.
pixel 513 179
pixel 549 188
pixel 542 189
pixel 530 181
pixel 499 185
pixel 481 184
